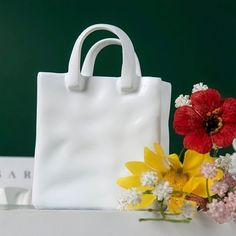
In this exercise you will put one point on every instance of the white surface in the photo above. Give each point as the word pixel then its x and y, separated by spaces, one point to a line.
pixel 106 223
pixel 84 138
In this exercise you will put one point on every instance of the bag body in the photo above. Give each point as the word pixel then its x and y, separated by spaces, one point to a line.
pixel 89 126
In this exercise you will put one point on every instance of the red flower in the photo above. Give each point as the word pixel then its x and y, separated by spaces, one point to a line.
pixel 209 121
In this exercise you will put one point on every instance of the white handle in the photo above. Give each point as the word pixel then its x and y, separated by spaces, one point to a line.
pixel 89 61
pixel 74 79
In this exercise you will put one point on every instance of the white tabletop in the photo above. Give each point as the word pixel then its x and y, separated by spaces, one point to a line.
pixel 31 222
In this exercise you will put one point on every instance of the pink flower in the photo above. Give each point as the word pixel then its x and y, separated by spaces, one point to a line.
pixel 230 201
pixel 220 188
pixel 208 170
pixel 218 211
pixel 230 179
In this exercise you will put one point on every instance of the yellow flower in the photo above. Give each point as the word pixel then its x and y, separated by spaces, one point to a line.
pixel 184 178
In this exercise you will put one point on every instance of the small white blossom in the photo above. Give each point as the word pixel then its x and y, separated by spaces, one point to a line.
pixel 199 87
pixel 224 162
pixel 122 203
pixel 130 198
pixel 188 210
pixel 148 178
pixel 182 100
pixel 162 190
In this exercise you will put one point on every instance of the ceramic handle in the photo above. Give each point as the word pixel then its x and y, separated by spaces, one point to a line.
pixel 89 61
pixel 76 81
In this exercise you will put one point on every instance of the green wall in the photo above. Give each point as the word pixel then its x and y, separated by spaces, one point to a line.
pixel 184 42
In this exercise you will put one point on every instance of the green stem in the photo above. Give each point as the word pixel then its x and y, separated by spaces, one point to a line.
pixel 181 156
pixel 187 220
pixel 208 192
pixel 159 210
pixel 162 210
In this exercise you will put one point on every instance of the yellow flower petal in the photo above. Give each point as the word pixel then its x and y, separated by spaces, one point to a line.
pixel 175 162
pixel 129 182
pixel 132 182
pixel 191 185
pixel 137 167
pixel 201 189
pixel 159 151
pixel 193 162
pixel 154 161
pixel 208 158
pixel 147 200
pixel 175 204
pixel 219 174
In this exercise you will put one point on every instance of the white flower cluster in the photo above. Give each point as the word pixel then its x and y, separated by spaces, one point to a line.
pixel 199 87
pixel 224 162
pixel 182 100
pixel 148 178
pixel 162 190
pixel 130 198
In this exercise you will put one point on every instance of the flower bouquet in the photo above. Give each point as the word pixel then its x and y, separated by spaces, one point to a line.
pixel 175 187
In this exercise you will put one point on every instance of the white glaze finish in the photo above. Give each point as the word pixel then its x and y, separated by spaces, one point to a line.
pixel 84 138
pixel 89 61
pixel 76 81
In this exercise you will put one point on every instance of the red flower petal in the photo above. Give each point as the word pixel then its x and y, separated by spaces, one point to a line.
pixel 225 136
pixel 186 120
pixel 229 111
pixel 199 141
pixel 206 101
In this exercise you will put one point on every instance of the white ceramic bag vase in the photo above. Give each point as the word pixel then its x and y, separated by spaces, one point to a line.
pixel 89 126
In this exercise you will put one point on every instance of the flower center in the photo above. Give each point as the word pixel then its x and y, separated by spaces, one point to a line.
pixel 213 122
pixel 177 179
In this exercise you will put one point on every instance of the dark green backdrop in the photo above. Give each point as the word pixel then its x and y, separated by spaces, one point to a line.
pixel 183 42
